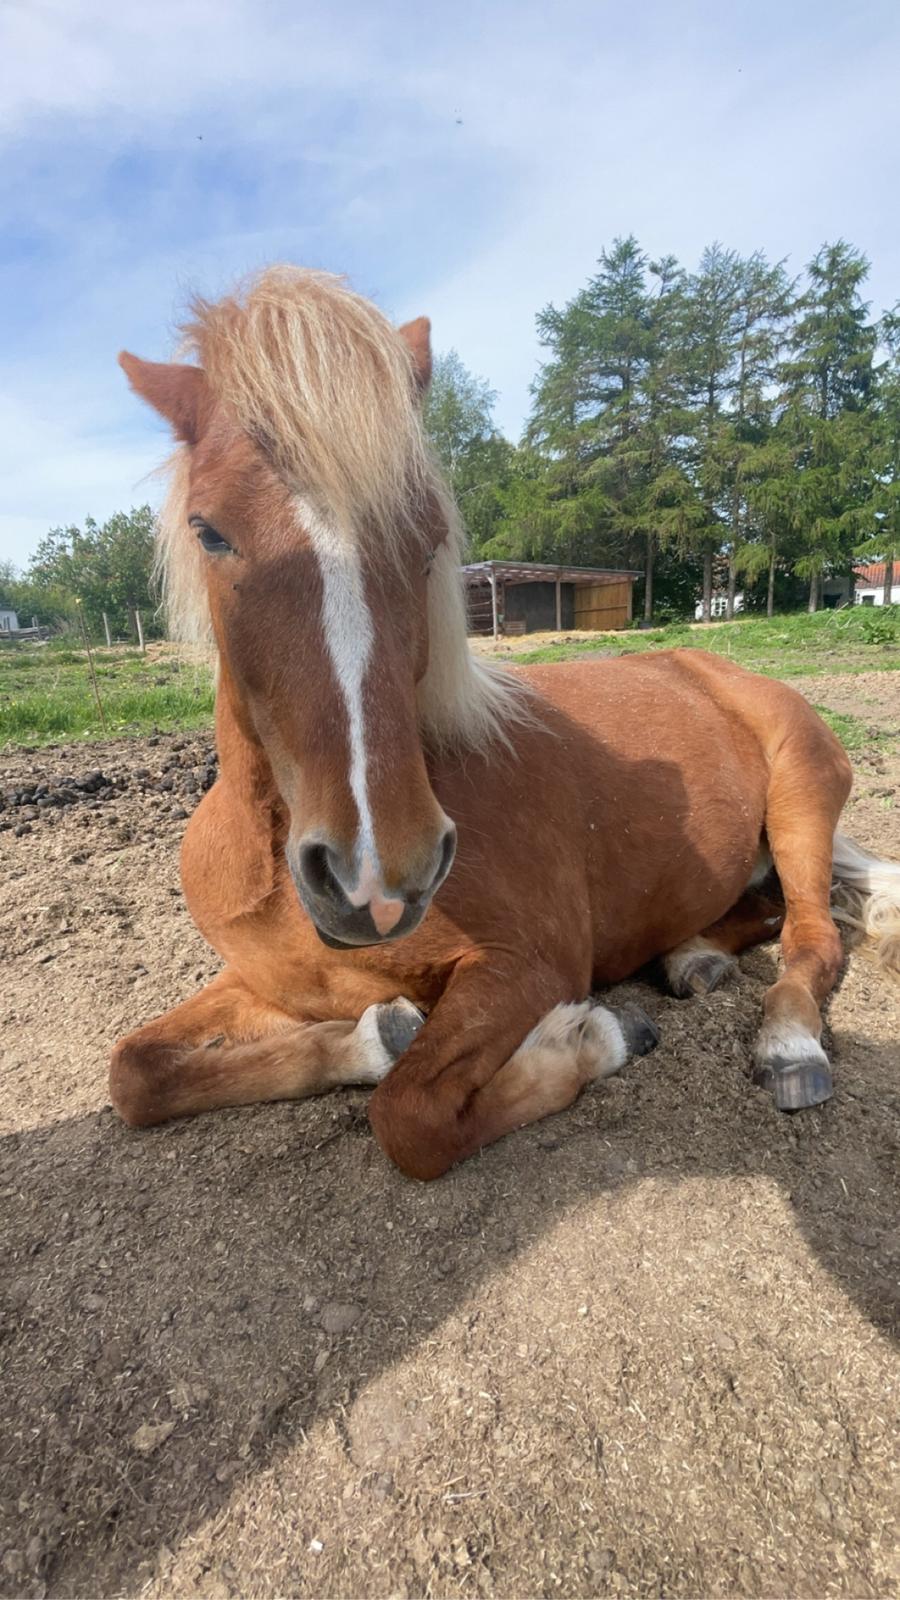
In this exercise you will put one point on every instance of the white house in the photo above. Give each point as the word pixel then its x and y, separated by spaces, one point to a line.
pixel 870 585
pixel 718 605
pixel 9 622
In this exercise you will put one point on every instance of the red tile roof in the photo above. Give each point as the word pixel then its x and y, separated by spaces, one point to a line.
pixel 872 576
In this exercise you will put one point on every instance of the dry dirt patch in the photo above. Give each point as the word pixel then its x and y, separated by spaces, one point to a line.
pixel 644 1348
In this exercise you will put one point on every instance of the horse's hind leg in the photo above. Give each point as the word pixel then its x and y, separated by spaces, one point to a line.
pixel 699 965
pixel 807 790
pixel 225 1047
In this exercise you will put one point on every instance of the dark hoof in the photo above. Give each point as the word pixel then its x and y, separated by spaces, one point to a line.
pixel 398 1023
pixel 701 975
pixel 640 1034
pixel 796 1085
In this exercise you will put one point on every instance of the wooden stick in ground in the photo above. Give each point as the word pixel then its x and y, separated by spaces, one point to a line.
pixel 90 656
pixel 106 631
pixel 140 629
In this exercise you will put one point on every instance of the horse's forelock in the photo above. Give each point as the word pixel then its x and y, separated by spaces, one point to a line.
pixel 320 378
pixel 323 382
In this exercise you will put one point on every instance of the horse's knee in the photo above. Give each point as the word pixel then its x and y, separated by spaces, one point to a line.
pixel 136 1082
pixel 409 1132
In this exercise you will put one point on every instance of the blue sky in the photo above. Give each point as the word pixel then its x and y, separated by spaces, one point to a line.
pixel 468 161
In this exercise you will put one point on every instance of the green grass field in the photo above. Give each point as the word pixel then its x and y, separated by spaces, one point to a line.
pixel 858 639
pixel 46 694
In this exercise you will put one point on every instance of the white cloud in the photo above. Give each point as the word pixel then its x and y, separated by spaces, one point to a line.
pixel 466 162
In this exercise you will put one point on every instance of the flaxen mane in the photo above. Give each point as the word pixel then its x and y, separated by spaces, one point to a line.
pixel 319 377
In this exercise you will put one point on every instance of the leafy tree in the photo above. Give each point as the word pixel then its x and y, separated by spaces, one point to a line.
pixel 476 458
pixel 106 568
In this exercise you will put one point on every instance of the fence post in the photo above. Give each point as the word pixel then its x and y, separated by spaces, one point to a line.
pixel 140 628
pixel 106 630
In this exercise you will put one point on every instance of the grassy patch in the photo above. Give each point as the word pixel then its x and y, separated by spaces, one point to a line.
pixel 46 693
pixel 854 640
pixel 45 690
pixel 852 732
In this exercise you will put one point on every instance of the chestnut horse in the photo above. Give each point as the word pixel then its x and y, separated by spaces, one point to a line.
pixel 416 867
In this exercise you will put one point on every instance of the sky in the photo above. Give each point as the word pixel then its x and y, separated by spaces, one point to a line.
pixel 465 161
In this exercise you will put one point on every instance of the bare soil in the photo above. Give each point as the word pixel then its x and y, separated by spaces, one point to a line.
pixel 645 1348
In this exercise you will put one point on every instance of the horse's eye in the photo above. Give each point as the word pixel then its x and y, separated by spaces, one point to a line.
pixel 211 541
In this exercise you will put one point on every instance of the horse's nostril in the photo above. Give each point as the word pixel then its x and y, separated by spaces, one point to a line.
pixel 448 851
pixel 317 871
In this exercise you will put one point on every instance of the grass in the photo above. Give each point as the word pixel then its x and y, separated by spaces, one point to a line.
pixel 853 733
pixel 855 640
pixel 46 693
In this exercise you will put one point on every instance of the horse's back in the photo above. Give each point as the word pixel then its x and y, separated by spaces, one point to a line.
pixel 674 697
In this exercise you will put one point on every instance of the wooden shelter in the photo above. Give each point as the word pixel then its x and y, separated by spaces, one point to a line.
pixel 528 596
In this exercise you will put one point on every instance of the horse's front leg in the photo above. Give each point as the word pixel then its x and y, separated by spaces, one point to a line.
pixel 470 1076
pixel 225 1047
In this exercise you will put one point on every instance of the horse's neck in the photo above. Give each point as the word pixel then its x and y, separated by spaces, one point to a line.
pixel 245 770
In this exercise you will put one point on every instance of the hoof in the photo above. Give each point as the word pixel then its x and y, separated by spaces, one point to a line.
pixel 641 1035
pixel 398 1022
pixel 695 974
pixel 796 1085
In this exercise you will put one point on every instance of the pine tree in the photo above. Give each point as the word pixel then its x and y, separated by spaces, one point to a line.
pixel 877 523
pixel 763 299
pixel 711 340
pixel 827 382
pixel 607 412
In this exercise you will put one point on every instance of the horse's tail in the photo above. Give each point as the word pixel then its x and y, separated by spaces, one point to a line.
pixel 871 900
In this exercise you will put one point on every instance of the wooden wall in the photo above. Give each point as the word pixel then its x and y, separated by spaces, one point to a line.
pixel 603 605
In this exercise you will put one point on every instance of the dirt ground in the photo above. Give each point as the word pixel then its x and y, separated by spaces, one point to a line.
pixel 645 1348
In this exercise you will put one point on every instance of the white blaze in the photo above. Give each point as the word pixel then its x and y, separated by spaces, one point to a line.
pixel 348 634
pixel 347 622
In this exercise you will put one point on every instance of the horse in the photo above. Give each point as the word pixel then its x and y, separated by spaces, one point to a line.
pixel 417 867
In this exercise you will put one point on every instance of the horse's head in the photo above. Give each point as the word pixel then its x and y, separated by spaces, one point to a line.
pixel 307 517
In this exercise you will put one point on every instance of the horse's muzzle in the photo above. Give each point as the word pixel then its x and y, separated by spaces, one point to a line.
pixel 348 904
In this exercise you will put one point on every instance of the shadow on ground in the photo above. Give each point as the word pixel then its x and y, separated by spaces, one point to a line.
pixel 178 1305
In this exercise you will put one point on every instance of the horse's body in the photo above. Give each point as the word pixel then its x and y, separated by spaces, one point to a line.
pixel 617 811
pixel 615 831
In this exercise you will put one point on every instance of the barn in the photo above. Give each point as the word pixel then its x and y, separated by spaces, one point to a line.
pixel 532 596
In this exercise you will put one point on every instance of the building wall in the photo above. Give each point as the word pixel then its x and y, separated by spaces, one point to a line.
pixel 9 622
pixel 865 596
pixel 719 606
pixel 603 605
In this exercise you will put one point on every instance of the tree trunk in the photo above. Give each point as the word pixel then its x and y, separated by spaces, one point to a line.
pixel 770 596
pixel 813 593
pixel 732 585
pixel 707 583
pixel 888 579
pixel 648 580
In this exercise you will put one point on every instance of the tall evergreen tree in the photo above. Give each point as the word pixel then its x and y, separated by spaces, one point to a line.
pixel 763 301
pixel 827 383
pixel 711 340
pixel 607 412
pixel 877 521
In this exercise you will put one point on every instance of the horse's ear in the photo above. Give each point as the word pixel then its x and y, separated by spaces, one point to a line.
pixel 417 337
pixel 178 392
